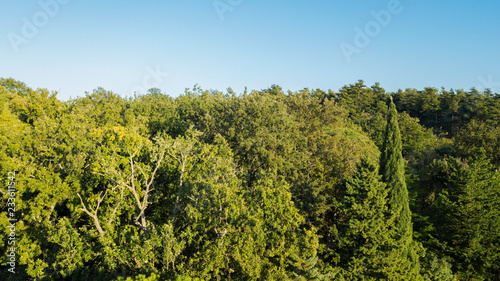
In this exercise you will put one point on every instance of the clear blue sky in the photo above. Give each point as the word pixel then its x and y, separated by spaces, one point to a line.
pixel 81 45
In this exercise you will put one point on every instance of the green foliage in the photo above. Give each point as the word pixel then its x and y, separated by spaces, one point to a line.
pixel 392 169
pixel 362 230
pixel 446 112
pixel 140 277
pixel 436 269
pixel 463 217
pixel 265 185
pixel 479 135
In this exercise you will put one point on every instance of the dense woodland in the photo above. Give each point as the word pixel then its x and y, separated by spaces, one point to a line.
pixel 359 184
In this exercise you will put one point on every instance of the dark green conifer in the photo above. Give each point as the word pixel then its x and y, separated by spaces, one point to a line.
pixel 363 232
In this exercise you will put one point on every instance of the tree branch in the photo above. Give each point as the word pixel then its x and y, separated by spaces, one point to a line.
pixel 93 215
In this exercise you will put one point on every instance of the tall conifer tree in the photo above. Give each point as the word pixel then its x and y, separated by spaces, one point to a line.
pixel 392 169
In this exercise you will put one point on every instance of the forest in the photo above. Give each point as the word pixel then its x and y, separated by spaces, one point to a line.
pixel 354 184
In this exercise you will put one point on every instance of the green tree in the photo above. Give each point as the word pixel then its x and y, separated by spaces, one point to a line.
pixel 477 135
pixel 392 169
pixel 232 231
pixel 362 230
pixel 465 216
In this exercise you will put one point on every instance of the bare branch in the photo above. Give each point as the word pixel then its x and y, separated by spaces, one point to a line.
pixel 100 199
pixel 139 225
pixel 92 215
pixel 83 205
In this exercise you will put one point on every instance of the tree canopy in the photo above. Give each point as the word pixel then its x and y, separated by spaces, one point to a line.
pixel 359 184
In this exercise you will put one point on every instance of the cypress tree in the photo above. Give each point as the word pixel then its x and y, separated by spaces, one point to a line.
pixel 392 170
